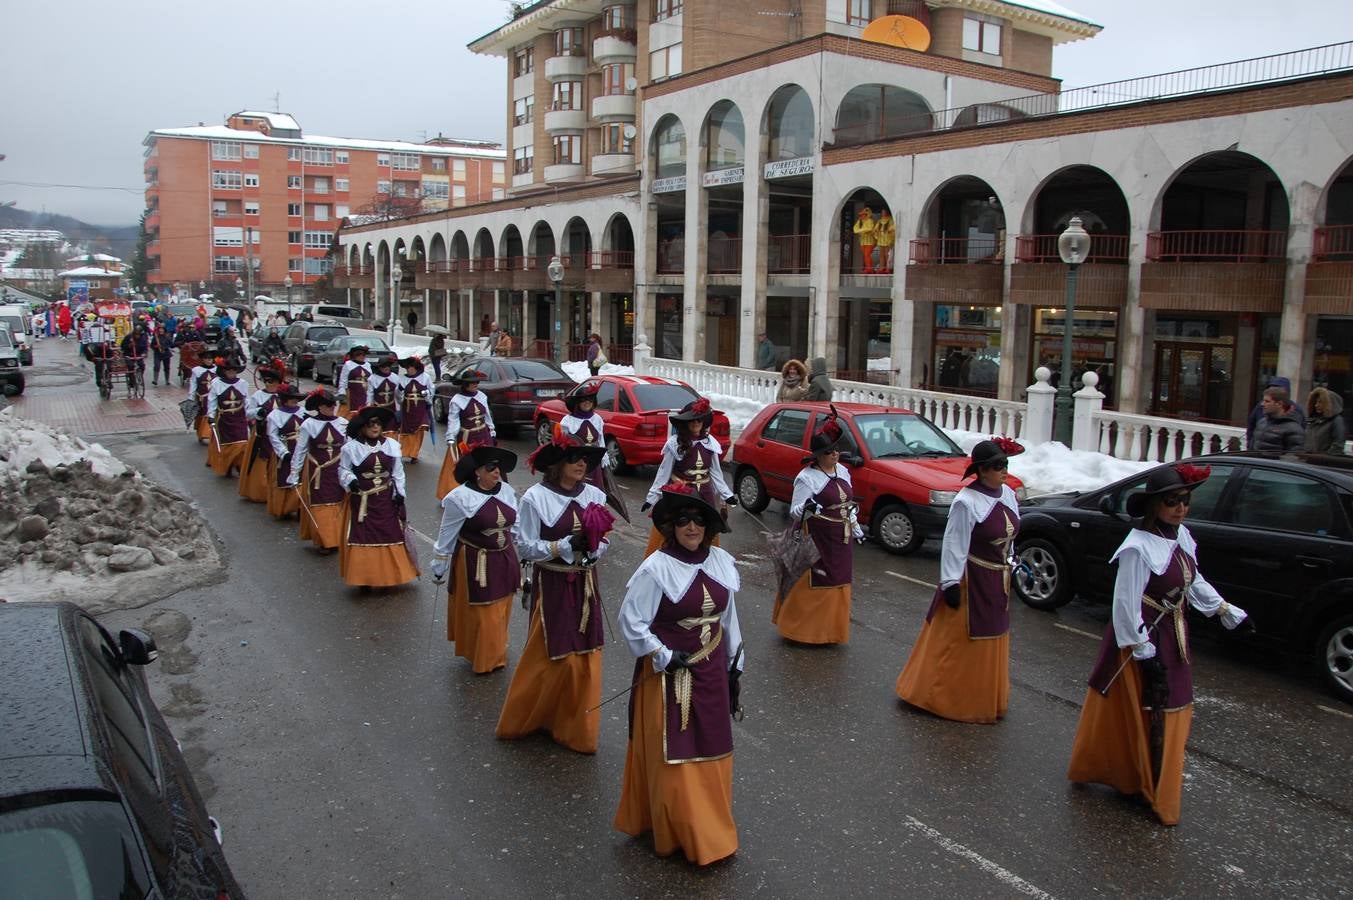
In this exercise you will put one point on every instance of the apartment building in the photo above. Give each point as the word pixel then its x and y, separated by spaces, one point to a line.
pixel 258 199
pixel 761 140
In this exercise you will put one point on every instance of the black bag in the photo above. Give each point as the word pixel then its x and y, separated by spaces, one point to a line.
pixel 793 553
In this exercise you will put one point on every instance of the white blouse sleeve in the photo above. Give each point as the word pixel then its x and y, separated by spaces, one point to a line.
pixel 1204 598
pixel 279 446
pixel 453 519
pixel 342 387
pixel 298 456
pixel 637 612
pixel 530 546
pixel 664 475
pixel 488 415
pixel 957 540
pixel 398 474
pixel 802 492
pixel 716 472
pixel 452 420
pixel 1128 628
pixel 345 474
pixel 732 633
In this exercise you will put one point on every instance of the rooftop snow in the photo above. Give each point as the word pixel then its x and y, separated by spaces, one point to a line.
pixel 276 120
pixel 89 272
pixel 225 133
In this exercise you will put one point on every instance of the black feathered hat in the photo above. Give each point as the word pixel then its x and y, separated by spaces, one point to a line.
pixel 581 393
pixel 365 417
pixel 990 452
pixel 482 455
pixel 1166 480
pixel 319 397
pixel 826 437
pixel 560 448
pixel 674 499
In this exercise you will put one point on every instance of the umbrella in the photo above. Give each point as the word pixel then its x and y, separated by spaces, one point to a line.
pixel 613 495
pixel 437 329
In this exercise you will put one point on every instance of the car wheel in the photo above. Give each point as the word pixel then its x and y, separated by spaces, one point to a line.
pixel 618 464
pixel 544 431
pixel 1334 656
pixel 439 410
pixel 895 529
pixel 1050 585
pixel 751 492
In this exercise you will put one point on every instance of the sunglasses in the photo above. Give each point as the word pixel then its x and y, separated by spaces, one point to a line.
pixel 685 519
pixel 997 466
pixel 490 467
pixel 1175 500
pixel 573 457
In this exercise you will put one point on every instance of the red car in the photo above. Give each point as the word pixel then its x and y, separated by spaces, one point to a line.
pixel 634 409
pixel 904 469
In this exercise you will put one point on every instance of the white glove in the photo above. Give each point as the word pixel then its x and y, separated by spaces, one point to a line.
pixel 1231 616
pixel 439 566
pixel 1144 650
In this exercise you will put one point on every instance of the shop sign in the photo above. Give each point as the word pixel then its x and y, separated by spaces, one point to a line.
pixel 731 175
pixel 669 185
pixel 787 168
pixel 963 338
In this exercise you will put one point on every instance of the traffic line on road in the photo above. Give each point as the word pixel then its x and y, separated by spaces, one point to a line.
pixel 1093 637
pixel 1001 873
pixel 924 584
pixel 1337 712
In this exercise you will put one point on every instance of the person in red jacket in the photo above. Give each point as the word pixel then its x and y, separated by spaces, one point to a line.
pixel 63 321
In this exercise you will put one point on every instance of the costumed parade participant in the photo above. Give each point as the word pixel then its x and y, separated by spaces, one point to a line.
pixel 199 382
pixel 679 620
pixel 352 382
pixel 582 423
pixel 562 523
pixel 314 471
pixel 374 551
pixel 690 456
pixel 415 407
pixel 383 391
pixel 477 545
pixel 282 428
pixel 258 451
pixel 813 606
pixel 226 397
pixel 1139 707
pixel 469 424
pixel 959 667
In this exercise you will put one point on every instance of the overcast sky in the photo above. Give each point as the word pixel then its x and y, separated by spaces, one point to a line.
pixel 88 78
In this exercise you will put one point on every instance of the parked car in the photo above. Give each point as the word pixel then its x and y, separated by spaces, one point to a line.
pixel 1275 537
pixel 905 471
pixel 329 361
pixel 95 797
pixel 515 386
pixel 11 370
pixel 305 340
pixel 634 409
pixel 346 315
pixel 19 320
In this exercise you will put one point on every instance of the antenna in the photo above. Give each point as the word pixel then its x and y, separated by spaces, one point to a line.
pixel 277 102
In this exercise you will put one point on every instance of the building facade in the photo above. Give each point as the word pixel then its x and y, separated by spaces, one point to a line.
pixel 1220 211
pixel 258 199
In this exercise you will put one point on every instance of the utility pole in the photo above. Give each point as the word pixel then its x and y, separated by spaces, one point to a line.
pixel 249 264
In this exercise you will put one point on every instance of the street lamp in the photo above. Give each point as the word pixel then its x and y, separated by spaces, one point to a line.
pixel 239 285
pixel 287 283
pixel 396 276
pixel 201 287
pixel 1073 245
pixel 555 270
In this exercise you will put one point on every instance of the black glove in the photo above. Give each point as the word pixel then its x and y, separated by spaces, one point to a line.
pixel 578 543
pixel 645 507
pixel 284 464
pixel 731 501
pixel 810 506
pixel 679 660
pixel 952 596
pixel 734 692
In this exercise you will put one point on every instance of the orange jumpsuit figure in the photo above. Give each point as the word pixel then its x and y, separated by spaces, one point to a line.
pixel 864 233
pixel 885 235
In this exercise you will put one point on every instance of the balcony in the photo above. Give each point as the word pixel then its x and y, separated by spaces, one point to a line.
pixel 557 120
pixel 564 171
pixel 788 254
pixel 1215 270
pixel 724 256
pixel 153 221
pixel 613 108
pixel 565 68
pixel 1329 277
pixel 614 47
pixel 1038 277
pixel 609 270
pixel 959 271
pixel 613 164
pixel 153 248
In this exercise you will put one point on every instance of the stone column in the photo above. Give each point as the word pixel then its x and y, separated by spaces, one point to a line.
pixel 1088 402
pixel 693 280
pixel 1038 421
pixel 1132 377
pixel 755 240
pixel 1294 360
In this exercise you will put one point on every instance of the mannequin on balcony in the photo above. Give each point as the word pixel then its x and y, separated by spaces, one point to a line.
pixel 885 236
pixel 864 234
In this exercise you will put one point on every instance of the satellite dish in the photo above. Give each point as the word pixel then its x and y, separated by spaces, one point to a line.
pixel 899 31
pixel 631 83
pixel 630 132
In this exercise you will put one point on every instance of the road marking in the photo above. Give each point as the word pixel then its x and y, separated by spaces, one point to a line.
pixel 924 584
pixel 1002 874
pixel 1093 637
pixel 1337 712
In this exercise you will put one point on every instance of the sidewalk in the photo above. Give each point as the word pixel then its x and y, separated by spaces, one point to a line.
pixel 62 394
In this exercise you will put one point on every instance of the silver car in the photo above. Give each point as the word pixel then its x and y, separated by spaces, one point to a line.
pixel 329 361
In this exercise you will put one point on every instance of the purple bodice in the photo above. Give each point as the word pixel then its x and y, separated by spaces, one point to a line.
pixel 490 555
pixel 570 596
pixel 987 574
pixel 357 395
pixel 695 468
pixel 289 432
pixel 415 408
pixel 386 396
pixel 321 458
pixel 832 534
pixel 373 517
pixel 232 425
pixel 474 425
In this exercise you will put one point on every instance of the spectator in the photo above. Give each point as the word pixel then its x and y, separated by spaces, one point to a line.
pixel 162 345
pixel 63 320
pixel 765 352
pixel 413 321
pixel 436 352
pixel 1325 431
pixel 226 321
pixel 596 357
pixel 486 325
pixel 495 338
pixel 794 382
pixel 1257 413
pixel 39 321
pixel 1277 429
pixel 819 385
pixel 505 345
pixel 134 348
pixel 273 345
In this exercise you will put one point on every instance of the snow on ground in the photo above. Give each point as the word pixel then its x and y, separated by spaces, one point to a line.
pixel 22 441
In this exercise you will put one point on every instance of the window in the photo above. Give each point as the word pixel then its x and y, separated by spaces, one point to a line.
pixel 1202 504
pixel 439 165
pixel 436 190
pixel 341 157
pixel 982 36
pixel 293 209
pixel 293 237
pixel 615 78
pixel 1283 501
pixel 404 189
pixel 318 156
pixel 382 187
pixel 226 181
pixel 320 239
pixel 567 95
pixel 225 150
pixel 859 12
pixel 251 207
pixel 664 63
pixel 251 179
pixel 617 18
pixel 523 159
pixel 293 181
pixel 121 711
pixel 787 427
pixel 523 61
pixel 341 185
pixel 613 140
pixel 295 263
pixel 341 211
pixel 227 237
pixel 665 9
pixel 294 154
pixel 219 209
pixel 251 151
pixel 498 169
pixel 321 266
pixel 458 193
pixel 320 212
pixel 523 110
pixel 569 42
pixel 320 185
pixel 458 169
pixel 606 395
pixel 568 149
pixel 383 159
pixel 406 162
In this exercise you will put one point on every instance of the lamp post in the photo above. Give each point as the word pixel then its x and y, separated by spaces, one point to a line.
pixel 287 283
pixel 201 286
pixel 1073 245
pixel 396 276
pixel 555 270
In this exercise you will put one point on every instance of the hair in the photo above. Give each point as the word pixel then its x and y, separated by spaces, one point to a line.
pixel 1277 394
pixel 668 530
pixel 1318 403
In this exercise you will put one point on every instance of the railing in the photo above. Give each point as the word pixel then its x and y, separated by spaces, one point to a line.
pixel 724 256
pixel 1333 243
pixel 578 353
pixel 671 257
pixel 930 251
pixel 1233 245
pixel 620 354
pixel 1041 248
pixel 1156 440
pixel 609 259
pixel 788 254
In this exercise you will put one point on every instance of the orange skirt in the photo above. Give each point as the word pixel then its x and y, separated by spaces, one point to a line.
pixel 322 525
pixel 410 445
pixel 202 429
pixel 1112 746
pixel 282 501
pixel 254 486
pixel 655 540
pixel 812 615
pixel 446 478
pixel 553 695
pixel 228 457
pixel 372 565
pixel 688 806
pixel 954 676
pixel 478 630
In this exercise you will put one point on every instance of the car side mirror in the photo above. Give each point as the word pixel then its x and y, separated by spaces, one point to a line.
pixel 852 459
pixel 1108 506
pixel 138 647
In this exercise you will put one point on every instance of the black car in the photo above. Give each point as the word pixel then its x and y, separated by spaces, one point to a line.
pixel 515 386
pixel 305 340
pixel 95 797
pixel 1275 537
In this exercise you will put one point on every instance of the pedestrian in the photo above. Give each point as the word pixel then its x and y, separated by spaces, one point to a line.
pixel 314 471
pixel 1325 428
pixel 596 357
pixel 816 608
pixel 162 350
pixel 258 451
pixel 477 546
pixel 469 423
pixel 1278 430
pixel 273 345
pixel 374 551
pixel 765 352
pixel 582 423
pixel 413 321
pixel 506 344
pixel 1258 412
pixel 557 684
pixel 63 320
pixel 436 353
pixel 793 382
pixel 680 622
pixel 38 322
pixel 1136 717
pixel 135 348
pixel 352 381
pixel 223 317
pixel 690 456
pixel 415 407
pixel 199 383
pixel 225 411
pixel 819 385
pixel 281 429
pixel 495 339
pixel 959 667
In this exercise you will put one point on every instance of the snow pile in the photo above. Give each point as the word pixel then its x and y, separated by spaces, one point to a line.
pixel 1053 469
pixel 23 441
pixel 579 371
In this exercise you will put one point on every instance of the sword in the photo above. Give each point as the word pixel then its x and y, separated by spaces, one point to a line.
pixel 626 690
pixel 734 674
pixel 300 495
pixel 1149 628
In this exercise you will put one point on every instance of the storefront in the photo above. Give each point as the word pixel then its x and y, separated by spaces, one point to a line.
pixel 966 350
pixel 721 327
pixel 1094 347
pixel 1334 361
pixel 787 326
pixel 864 345
pixel 1195 368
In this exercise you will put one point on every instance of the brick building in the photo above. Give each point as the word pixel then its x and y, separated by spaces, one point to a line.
pixel 258 194
pixel 752 143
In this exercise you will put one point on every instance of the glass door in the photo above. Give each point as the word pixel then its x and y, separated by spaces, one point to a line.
pixel 1193 381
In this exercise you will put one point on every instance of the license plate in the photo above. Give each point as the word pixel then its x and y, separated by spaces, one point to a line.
pixel 546 392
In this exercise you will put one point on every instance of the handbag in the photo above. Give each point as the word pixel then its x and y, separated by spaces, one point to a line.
pixel 793 552
pixel 600 359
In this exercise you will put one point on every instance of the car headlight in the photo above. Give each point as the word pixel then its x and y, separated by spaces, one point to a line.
pixel 1022 494
pixel 943 498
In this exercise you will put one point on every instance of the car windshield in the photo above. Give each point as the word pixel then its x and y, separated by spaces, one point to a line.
pixel 534 370
pixel 652 397
pixel 14 322
pixel 5 340
pixel 82 848
pixel 903 435
pixel 324 333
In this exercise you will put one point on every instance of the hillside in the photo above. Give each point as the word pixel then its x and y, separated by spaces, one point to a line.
pixel 117 240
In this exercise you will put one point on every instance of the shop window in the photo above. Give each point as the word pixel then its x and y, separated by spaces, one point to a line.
pixel 1094 343
pixel 967 349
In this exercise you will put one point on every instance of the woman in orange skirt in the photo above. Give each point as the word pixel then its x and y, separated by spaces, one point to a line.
pixel 199 382
pixel 282 429
pixel 690 456
pixel 415 404
pixel 960 665
pixel 229 425
pixel 679 621
pixel 1137 712
pixel 469 424
pixel 257 408
pixel 557 685
pixel 314 471
pixel 476 542
pixel 374 552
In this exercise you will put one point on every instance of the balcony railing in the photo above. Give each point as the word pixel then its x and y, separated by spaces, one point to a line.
pixel 788 254
pixel 930 251
pixel 610 259
pixel 1333 243
pixel 671 257
pixel 1042 248
pixel 1213 245
pixel 724 256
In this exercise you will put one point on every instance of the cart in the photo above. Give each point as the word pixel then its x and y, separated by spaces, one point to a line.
pixel 191 354
pixel 132 370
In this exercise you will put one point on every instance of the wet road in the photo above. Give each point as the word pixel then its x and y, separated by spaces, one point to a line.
pixel 348 753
